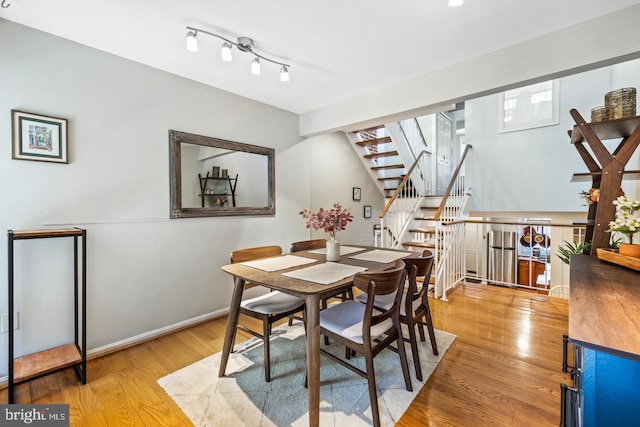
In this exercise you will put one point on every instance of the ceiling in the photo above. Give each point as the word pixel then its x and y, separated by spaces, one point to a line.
pixel 337 49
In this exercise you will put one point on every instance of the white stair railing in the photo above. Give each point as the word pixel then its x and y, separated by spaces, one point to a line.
pixel 450 237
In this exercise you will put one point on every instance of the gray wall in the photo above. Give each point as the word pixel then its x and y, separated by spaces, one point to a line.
pixel 146 273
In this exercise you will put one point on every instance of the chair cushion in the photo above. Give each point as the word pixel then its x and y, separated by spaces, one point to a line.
pixel 275 302
pixel 346 319
pixel 386 301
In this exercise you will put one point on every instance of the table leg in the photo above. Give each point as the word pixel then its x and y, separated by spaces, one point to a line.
pixel 232 323
pixel 313 358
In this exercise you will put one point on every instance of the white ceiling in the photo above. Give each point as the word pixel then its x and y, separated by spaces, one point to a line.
pixel 337 49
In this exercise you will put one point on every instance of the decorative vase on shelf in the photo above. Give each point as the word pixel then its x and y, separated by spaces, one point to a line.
pixel 333 250
pixel 628 249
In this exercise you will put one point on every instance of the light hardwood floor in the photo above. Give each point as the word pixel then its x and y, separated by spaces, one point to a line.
pixel 504 368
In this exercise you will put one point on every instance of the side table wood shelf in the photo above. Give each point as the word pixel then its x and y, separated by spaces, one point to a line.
pixel 606 168
pixel 32 366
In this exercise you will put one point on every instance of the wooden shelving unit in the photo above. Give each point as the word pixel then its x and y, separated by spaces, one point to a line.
pixel 31 366
pixel 232 183
pixel 606 170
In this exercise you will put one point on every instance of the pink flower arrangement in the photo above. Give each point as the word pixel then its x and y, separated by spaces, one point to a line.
pixel 330 220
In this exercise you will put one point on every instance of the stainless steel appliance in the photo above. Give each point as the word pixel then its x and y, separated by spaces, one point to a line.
pixel 503 256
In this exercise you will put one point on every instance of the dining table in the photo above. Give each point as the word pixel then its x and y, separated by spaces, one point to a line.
pixel 309 276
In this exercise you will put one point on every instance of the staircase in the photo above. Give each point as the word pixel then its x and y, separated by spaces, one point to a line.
pixel 414 218
pixel 380 155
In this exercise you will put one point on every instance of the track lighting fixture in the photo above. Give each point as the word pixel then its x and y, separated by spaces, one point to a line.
pixel 243 44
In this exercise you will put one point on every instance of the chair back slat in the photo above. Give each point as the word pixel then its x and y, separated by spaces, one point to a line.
pixel 381 283
pixel 417 267
pixel 385 281
pixel 308 245
pixel 249 254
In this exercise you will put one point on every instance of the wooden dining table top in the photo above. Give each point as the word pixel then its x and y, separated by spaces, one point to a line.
pixel 276 280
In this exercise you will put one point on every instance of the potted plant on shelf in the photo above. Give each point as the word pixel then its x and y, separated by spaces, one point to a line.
pixel 331 221
pixel 627 222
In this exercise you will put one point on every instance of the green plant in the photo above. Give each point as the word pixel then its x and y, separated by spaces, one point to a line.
pixel 567 249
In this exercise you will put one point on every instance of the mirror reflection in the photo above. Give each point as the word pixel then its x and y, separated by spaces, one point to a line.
pixel 214 177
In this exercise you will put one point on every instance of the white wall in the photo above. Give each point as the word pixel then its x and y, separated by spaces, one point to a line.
pixel 531 170
pixel 145 272
pixel 602 41
pixel 336 169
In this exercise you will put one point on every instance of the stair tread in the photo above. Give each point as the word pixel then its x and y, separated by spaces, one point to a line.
pixel 394 166
pixel 383 140
pixel 381 154
pixel 391 178
pixel 423 230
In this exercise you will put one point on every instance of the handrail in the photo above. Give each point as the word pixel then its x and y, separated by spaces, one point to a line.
pixel 454 178
pixel 422 138
pixel 401 185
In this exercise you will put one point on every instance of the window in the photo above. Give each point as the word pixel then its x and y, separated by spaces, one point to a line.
pixel 529 107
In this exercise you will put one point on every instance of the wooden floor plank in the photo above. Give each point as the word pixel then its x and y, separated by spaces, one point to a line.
pixel 504 368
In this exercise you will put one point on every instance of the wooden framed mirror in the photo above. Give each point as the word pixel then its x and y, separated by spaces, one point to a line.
pixel 215 177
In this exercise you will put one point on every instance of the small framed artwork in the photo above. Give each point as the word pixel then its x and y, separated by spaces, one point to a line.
pixel 356 193
pixel 367 211
pixel 37 137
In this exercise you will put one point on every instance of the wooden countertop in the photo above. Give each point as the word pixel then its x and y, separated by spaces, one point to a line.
pixel 604 306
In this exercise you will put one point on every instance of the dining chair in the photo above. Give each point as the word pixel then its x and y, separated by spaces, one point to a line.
pixel 270 307
pixel 414 305
pixel 367 330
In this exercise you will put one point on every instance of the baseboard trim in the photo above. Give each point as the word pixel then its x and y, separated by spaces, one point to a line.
pixel 139 339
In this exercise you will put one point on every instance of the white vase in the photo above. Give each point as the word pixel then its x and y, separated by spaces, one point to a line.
pixel 333 250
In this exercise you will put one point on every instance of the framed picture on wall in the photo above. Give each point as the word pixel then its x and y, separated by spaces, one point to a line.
pixel 367 211
pixel 356 193
pixel 37 137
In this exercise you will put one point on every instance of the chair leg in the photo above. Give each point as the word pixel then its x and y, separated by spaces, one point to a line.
pixel 414 350
pixel 403 358
pixel 267 356
pixel 432 333
pixel 323 304
pixel 420 330
pixel 373 393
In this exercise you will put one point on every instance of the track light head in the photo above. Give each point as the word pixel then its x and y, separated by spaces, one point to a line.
pixel 284 74
pixel 255 66
pixel 225 52
pixel 192 41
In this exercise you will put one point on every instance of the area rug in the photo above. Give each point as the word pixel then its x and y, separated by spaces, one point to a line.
pixel 243 398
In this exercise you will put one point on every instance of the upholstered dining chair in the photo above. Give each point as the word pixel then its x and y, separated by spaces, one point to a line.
pixel 270 307
pixel 414 306
pixel 367 330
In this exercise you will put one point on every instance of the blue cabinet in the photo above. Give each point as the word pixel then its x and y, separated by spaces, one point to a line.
pixel 610 390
